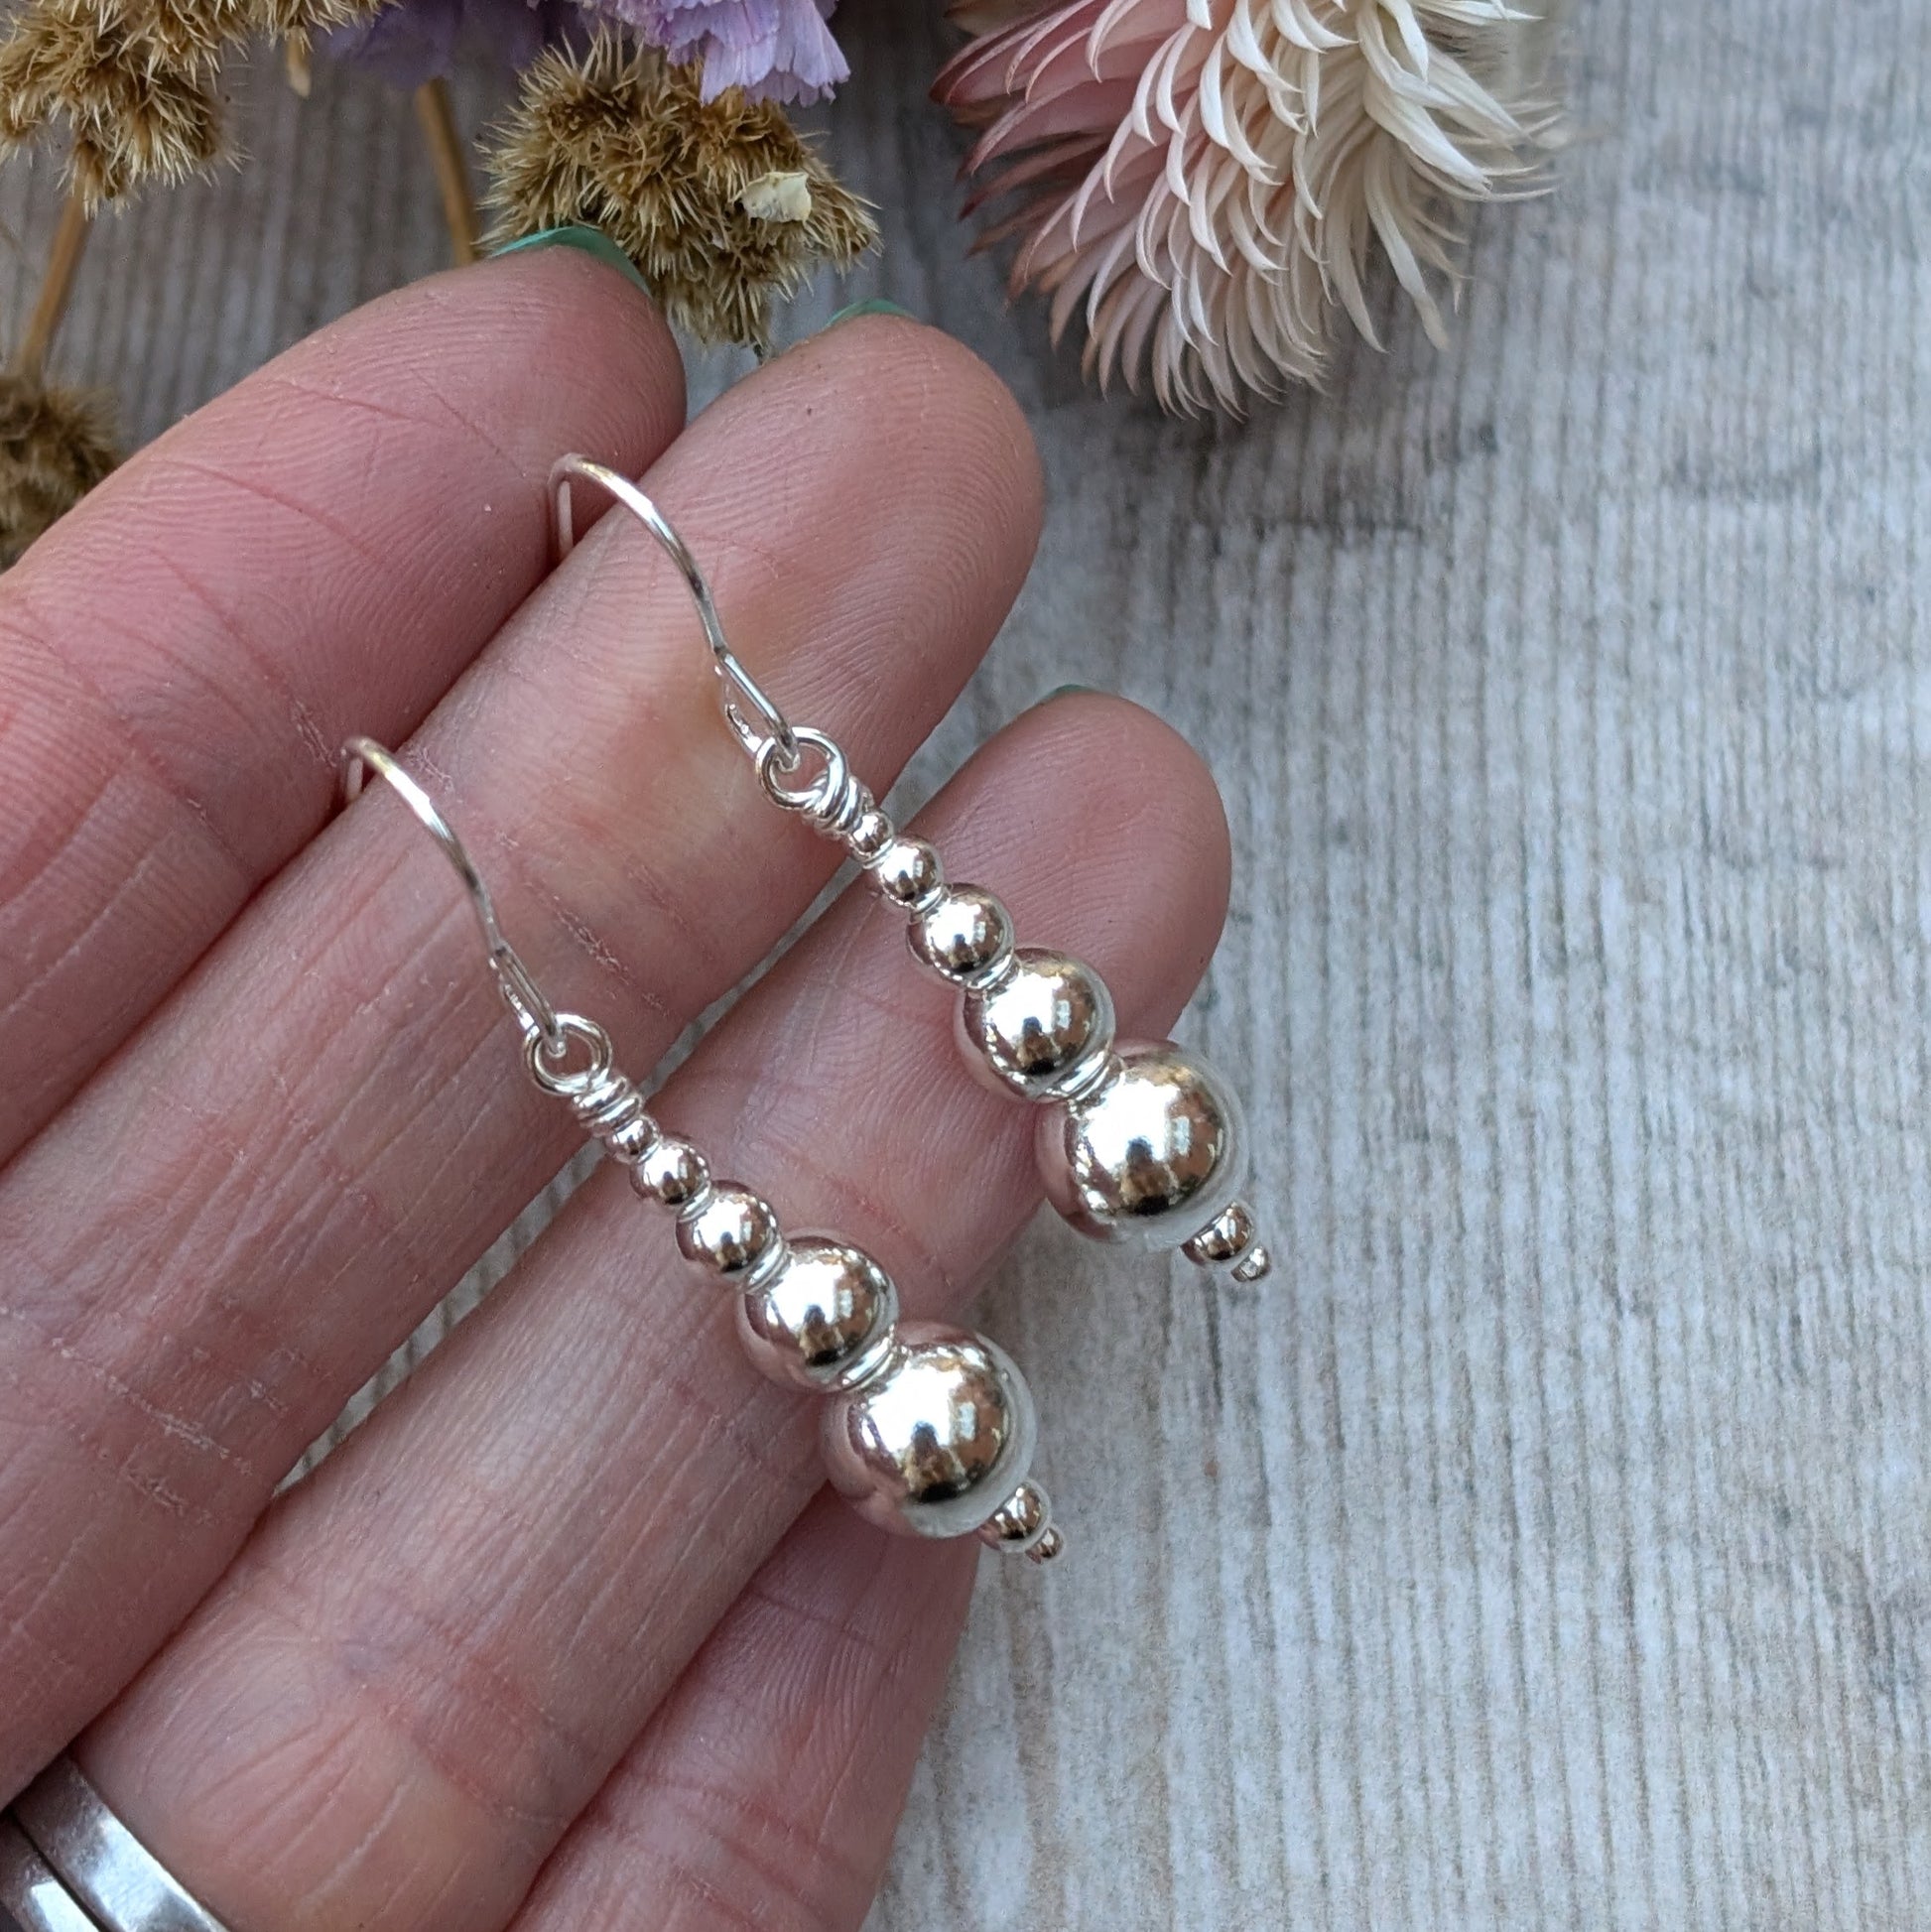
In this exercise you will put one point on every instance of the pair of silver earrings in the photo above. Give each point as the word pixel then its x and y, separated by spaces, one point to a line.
pixel 927 1429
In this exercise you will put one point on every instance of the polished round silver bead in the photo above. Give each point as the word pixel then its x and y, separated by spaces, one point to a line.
pixel 965 932
pixel 906 871
pixel 670 1171
pixel 870 833
pixel 1154 1153
pixel 1255 1265
pixel 1227 1238
pixel 1022 1523
pixel 938 1438
pixel 1041 1028
pixel 631 1141
pixel 822 1320
pixel 729 1230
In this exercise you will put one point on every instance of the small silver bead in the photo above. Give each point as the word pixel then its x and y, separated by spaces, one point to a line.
pixel 1148 1155
pixel 847 806
pixel 907 873
pixel 630 1142
pixel 1226 1239
pixel 823 1318
pixel 670 1171
pixel 869 837
pixel 937 1440
pixel 1019 1523
pixel 1040 1028
pixel 730 1229
pixel 1049 1548
pixel 1255 1265
pixel 965 932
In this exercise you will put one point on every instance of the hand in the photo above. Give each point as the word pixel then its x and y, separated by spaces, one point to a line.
pixel 561 1637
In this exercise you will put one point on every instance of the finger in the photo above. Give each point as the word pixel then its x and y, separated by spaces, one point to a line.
pixel 767 1791
pixel 222 1237
pixel 322 549
pixel 432 1653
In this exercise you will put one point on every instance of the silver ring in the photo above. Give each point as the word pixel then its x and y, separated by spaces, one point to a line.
pixel 100 1861
pixel 32 1899
pixel 815 794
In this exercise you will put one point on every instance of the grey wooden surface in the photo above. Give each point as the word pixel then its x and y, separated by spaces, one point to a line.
pixel 1550 1545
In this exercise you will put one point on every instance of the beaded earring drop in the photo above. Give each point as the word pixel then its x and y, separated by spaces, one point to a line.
pixel 1137 1141
pixel 929 1430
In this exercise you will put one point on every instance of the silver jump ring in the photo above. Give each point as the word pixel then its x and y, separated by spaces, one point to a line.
pixel 100 1861
pixel 766 723
pixel 520 991
pixel 815 794
pixel 541 1058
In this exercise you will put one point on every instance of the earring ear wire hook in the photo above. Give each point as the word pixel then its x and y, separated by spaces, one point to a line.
pixel 521 994
pixel 766 727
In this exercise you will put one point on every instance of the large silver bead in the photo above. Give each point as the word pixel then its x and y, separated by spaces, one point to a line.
pixel 823 1319
pixel 1153 1154
pixel 1042 1028
pixel 937 1439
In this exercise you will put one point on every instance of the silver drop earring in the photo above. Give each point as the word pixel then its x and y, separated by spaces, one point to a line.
pixel 1137 1142
pixel 927 1429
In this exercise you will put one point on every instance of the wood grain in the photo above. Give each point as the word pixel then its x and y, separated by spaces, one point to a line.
pixel 1550 1545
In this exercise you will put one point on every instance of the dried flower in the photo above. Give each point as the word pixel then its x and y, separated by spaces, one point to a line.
pixel 775 50
pixel 721 205
pixel 134 79
pixel 55 444
pixel 1206 179
pixel 134 84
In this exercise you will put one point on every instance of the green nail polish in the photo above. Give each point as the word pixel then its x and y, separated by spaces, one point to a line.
pixel 873 305
pixel 592 241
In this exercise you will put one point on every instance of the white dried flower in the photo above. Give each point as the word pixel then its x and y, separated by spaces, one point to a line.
pixel 1204 180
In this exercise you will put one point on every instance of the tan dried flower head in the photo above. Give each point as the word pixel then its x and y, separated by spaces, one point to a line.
pixel 1204 180
pixel 722 205
pixel 135 96
pixel 55 444
pixel 134 80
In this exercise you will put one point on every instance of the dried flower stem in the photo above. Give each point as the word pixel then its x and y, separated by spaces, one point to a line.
pixel 56 285
pixel 436 114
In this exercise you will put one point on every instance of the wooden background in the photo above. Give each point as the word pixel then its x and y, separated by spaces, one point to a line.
pixel 1550 1544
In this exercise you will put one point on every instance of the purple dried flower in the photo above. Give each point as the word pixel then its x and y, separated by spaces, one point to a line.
pixel 775 50
pixel 417 40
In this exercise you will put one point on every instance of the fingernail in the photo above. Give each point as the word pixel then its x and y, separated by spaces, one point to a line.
pixel 592 241
pixel 1068 690
pixel 873 305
